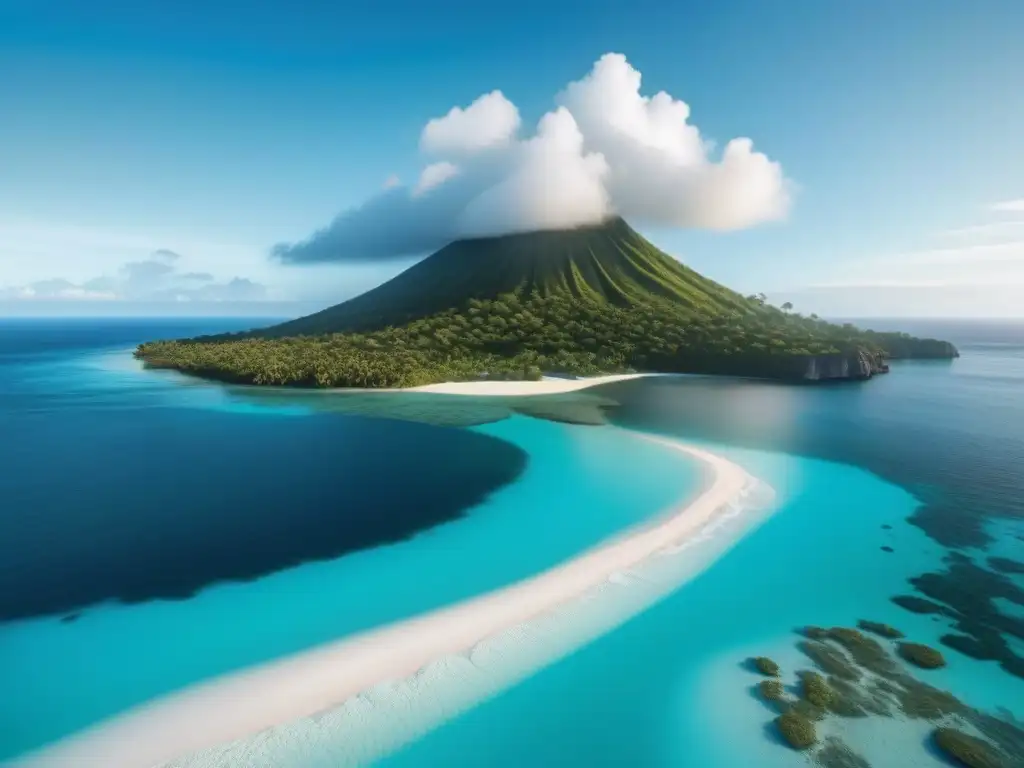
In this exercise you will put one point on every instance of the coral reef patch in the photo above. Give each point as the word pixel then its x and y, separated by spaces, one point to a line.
pixel 858 676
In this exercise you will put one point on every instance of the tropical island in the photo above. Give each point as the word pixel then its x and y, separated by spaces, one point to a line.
pixel 587 301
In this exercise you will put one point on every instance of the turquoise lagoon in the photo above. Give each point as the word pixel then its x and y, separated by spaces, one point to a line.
pixel 579 487
pixel 668 687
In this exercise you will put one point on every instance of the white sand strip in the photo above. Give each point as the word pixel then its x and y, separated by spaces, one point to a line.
pixel 546 386
pixel 333 676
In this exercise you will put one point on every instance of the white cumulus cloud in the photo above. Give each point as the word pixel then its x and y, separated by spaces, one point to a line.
pixel 491 120
pixel 606 149
pixel 552 184
pixel 660 167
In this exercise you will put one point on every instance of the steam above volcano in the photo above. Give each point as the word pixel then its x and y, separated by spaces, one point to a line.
pixel 605 150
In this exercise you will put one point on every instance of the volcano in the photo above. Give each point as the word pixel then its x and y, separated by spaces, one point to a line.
pixel 605 263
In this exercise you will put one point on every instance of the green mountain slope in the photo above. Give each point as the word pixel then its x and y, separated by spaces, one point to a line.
pixel 591 300
pixel 605 263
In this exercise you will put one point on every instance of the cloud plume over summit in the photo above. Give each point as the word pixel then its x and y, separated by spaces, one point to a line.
pixel 606 149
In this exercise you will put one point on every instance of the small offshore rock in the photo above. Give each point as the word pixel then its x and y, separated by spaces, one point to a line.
pixel 920 655
pixel 797 730
pixel 765 666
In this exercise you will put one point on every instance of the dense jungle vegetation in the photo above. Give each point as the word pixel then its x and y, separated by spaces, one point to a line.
pixel 516 336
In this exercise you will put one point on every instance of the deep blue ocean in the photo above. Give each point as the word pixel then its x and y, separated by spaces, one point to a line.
pixel 156 532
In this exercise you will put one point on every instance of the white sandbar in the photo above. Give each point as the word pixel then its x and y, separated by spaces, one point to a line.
pixel 243 704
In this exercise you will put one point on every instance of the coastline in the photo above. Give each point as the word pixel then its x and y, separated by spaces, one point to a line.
pixel 548 385
pixel 337 676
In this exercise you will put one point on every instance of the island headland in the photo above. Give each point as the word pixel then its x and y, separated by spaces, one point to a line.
pixel 587 301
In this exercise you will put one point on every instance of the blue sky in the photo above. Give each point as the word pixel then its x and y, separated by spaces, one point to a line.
pixel 213 133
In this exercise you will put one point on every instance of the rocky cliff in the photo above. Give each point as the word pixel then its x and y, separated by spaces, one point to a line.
pixel 857 364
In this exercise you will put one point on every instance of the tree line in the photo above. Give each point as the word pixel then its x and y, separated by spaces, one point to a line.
pixel 517 336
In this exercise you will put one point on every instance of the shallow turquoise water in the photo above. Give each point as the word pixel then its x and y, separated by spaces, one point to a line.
pixel 668 688
pixel 579 487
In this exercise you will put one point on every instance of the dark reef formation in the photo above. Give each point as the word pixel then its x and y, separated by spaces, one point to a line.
pixel 950 527
pixel 771 690
pixel 922 656
pixel 829 660
pixel 835 754
pixel 965 593
pixel 1006 565
pixel 858 677
pixel 765 666
pixel 815 690
pixel 920 605
pixel 880 629
pixel 796 729
pixel 967 750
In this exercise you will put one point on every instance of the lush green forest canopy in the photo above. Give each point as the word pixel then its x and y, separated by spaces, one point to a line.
pixel 587 301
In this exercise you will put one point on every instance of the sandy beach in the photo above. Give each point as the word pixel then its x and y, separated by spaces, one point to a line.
pixel 546 386
pixel 318 680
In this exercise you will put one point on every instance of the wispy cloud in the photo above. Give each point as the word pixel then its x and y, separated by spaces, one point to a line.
pixel 30 248
pixel 991 264
pixel 58 288
pixel 1009 206
pixel 166 255
pixel 989 231
pixel 983 254
pixel 910 301
pixel 979 254
pixel 151 279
